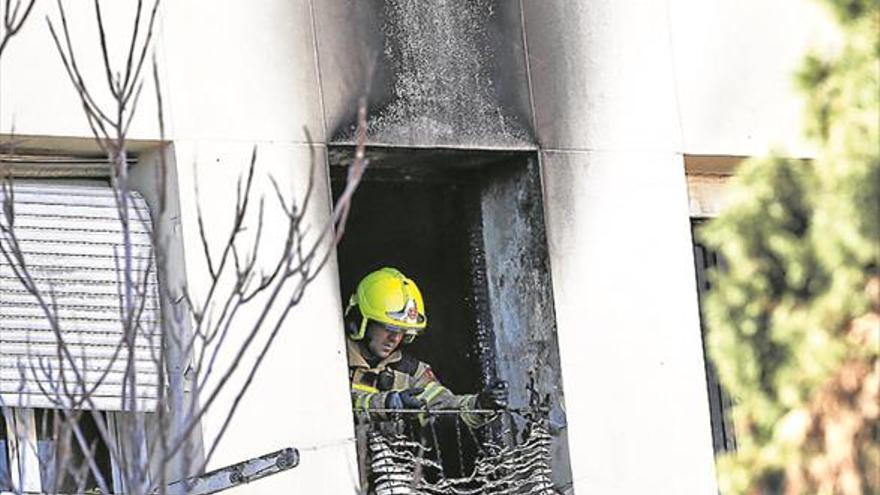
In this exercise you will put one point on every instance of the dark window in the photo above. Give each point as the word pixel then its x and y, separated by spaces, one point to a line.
pixel 421 223
pixel 64 465
pixel 5 474
pixel 723 437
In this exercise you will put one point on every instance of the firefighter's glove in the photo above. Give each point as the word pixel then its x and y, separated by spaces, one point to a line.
pixel 494 396
pixel 405 399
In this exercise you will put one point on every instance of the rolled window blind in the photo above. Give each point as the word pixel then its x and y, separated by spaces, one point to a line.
pixel 70 237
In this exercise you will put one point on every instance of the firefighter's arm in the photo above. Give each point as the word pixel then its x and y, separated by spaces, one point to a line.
pixel 437 396
pixel 469 403
pixel 365 398
pixel 493 397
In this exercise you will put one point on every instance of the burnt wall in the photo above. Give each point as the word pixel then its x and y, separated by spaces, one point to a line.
pixel 448 73
pixel 518 279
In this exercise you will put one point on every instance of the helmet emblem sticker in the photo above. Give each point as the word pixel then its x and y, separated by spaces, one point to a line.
pixel 412 313
pixel 409 314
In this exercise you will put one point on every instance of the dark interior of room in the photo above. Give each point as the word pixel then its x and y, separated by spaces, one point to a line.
pixel 467 226
pixel 413 213
pixel 416 227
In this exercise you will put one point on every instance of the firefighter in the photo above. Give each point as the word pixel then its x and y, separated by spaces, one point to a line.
pixel 386 312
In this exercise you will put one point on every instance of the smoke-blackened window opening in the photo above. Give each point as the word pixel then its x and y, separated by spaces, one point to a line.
pixel 467 227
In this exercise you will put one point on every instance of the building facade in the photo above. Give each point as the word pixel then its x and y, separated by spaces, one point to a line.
pixel 530 161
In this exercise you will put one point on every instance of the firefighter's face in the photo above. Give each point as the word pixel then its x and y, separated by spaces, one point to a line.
pixel 381 341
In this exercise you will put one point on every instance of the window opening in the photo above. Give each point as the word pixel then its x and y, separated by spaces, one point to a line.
pixel 71 195
pixel 64 464
pixel 467 227
pixel 417 227
pixel 720 403
pixel 5 473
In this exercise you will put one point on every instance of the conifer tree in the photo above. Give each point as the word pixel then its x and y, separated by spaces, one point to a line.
pixel 794 319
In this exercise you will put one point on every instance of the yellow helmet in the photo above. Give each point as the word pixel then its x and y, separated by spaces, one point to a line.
pixel 388 296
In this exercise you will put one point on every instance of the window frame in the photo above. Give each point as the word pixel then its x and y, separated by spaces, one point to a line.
pixel 708 182
pixel 21 450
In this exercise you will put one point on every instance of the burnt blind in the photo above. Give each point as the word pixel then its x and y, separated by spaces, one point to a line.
pixel 70 237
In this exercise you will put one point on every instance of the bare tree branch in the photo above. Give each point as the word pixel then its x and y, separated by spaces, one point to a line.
pixel 199 329
pixel 13 20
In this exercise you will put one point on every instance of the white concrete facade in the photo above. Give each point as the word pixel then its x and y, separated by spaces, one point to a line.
pixel 619 239
pixel 620 94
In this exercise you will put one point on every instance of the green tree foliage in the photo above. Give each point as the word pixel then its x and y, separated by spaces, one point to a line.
pixel 795 319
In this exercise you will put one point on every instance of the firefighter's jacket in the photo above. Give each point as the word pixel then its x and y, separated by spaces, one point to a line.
pixel 370 386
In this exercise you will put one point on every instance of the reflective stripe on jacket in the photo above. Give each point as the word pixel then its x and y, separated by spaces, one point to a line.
pixel 370 385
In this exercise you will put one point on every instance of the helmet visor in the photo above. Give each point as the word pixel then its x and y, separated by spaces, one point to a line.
pixel 409 332
pixel 394 328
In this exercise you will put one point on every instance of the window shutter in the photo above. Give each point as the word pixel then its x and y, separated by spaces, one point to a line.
pixel 72 243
